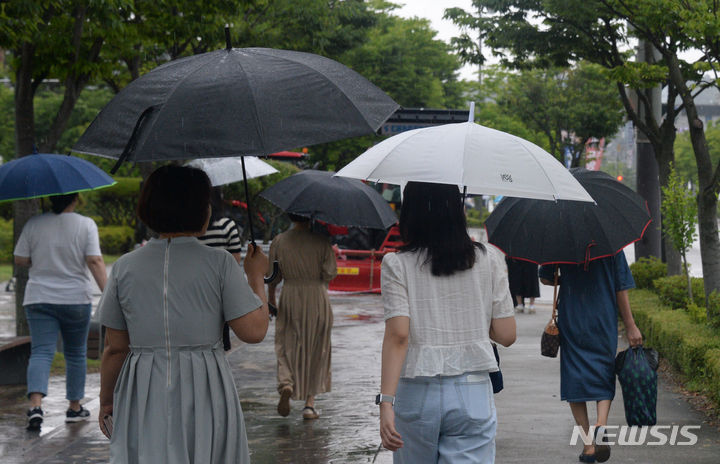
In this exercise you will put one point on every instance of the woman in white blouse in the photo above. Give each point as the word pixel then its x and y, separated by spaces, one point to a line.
pixel 445 299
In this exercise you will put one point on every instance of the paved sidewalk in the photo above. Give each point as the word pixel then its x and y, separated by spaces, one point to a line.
pixel 534 425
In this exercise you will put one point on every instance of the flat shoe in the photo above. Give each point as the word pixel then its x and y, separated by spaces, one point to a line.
pixel 310 413
pixel 283 407
pixel 587 458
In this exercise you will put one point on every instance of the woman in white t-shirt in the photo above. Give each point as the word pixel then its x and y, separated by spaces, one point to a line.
pixel 59 247
pixel 445 299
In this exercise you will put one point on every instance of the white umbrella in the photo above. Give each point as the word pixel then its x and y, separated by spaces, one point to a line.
pixel 223 171
pixel 476 158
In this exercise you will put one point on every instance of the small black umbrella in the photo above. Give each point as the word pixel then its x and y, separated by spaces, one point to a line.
pixel 235 102
pixel 565 231
pixel 336 200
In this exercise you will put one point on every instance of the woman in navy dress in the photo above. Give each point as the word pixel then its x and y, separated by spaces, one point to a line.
pixel 590 299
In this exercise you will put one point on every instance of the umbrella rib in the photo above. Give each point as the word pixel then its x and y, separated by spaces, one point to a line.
pixel 167 98
pixel 256 116
pixel 539 166
pixel 357 110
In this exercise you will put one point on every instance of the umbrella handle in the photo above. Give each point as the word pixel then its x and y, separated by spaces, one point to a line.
pixel 275 270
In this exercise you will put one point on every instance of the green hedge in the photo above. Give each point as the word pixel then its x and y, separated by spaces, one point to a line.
pixel 113 205
pixel 115 240
pixel 693 348
pixel 646 270
pixel 672 291
pixel 6 241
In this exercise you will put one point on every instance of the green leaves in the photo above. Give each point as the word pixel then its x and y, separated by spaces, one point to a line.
pixel 679 210
pixel 567 106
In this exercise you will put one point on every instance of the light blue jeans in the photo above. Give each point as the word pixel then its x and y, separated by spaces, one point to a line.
pixel 45 321
pixel 446 419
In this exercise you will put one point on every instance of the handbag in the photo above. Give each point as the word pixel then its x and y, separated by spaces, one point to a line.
pixel 550 339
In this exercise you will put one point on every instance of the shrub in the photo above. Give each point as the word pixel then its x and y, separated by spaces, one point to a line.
pixel 6 241
pixel 672 291
pixel 713 308
pixel 646 270
pixel 697 313
pixel 114 205
pixel 712 373
pixel 115 240
pixel 691 347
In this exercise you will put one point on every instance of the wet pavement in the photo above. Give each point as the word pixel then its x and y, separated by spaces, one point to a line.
pixel 534 425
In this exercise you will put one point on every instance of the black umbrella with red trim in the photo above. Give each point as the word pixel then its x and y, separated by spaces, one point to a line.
pixel 574 232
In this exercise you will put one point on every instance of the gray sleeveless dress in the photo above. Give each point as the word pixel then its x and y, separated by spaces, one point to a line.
pixel 175 400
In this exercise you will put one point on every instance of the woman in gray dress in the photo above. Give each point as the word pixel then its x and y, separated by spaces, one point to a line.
pixel 164 377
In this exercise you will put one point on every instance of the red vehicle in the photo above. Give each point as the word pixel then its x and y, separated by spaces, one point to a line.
pixel 359 270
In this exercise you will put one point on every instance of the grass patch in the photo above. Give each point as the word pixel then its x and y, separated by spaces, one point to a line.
pixel 109 259
pixel 58 365
pixel 6 272
pixel 6 269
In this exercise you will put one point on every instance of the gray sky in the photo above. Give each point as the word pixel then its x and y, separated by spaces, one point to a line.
pixel 434 10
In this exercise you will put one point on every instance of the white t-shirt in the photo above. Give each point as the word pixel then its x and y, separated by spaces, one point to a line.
pixel 57 245
pixel 449 315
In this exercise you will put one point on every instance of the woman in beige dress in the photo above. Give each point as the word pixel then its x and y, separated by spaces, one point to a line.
pixel 304 321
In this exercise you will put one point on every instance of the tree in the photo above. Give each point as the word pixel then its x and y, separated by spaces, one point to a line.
pixel 671 26
pixel 568 106
pixel 402 57
pixel 59 39
pixel 600 31
pixel 685 156
pixel 679 219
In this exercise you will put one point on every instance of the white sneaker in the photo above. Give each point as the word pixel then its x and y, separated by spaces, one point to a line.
pixel 532 309
pixel 519 309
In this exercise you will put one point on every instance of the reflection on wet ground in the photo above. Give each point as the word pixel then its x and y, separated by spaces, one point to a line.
pixel 347 431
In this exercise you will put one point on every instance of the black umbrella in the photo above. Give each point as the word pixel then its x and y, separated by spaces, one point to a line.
pixel 564 231
pixel 336 200
pixel 236 101
pixel 233 102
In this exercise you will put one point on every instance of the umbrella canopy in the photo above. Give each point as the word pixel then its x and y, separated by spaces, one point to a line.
pixel 480 159
pixel 223 171
pixel 40 175
pixel 570 231
pixel 335 200
pixel 233 102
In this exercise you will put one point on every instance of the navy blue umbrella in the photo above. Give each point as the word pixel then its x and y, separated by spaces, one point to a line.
pixel 41 175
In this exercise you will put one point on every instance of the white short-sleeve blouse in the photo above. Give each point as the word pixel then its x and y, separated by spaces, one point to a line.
pixel 449 315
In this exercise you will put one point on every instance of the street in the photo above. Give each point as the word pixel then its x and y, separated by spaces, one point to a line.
pixel 533 423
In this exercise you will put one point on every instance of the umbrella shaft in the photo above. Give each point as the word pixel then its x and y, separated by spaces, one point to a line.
pixel 247 202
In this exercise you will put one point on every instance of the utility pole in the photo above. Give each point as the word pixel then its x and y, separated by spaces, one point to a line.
pixel 648 176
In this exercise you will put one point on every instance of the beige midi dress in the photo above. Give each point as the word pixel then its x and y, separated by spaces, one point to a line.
pixel 305 319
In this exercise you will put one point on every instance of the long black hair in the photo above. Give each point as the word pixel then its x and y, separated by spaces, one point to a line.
pixel 432 219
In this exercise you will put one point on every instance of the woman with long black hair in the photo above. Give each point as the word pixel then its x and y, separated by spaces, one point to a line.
pixel 445 299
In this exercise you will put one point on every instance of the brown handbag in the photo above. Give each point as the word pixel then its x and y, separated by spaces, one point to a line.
pixel 550 340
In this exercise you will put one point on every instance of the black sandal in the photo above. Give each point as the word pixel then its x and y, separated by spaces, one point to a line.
pixel 309 413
